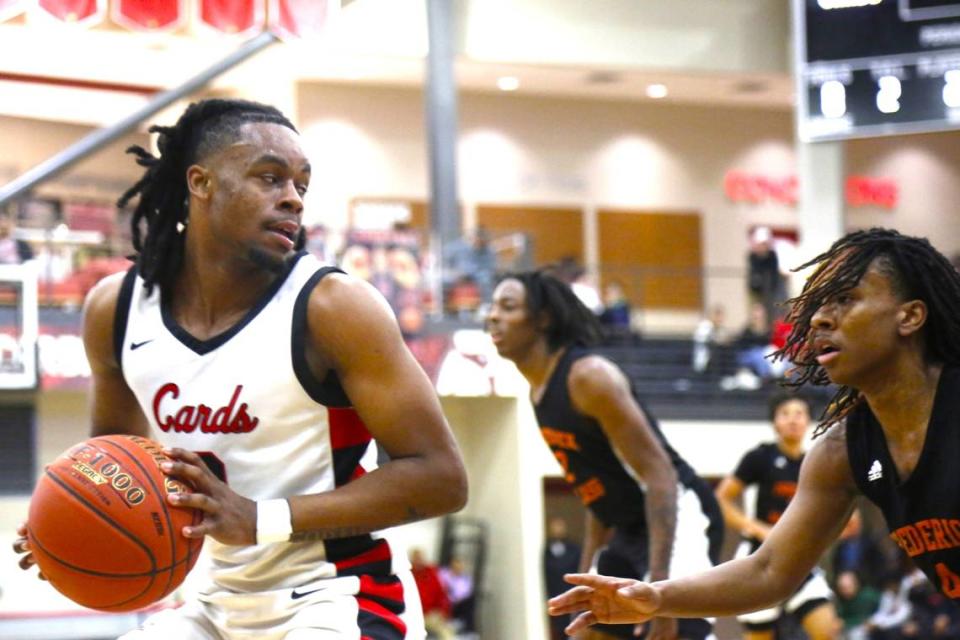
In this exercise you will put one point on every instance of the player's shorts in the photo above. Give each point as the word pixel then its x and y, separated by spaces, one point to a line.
pixel 348 608
pixel 813 593
pixel 696 548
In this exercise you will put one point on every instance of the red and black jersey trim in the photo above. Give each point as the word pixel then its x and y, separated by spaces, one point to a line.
pixel 380 603
pixel 349 439
pixel 360 556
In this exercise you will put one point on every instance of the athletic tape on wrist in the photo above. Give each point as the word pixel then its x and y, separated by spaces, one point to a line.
pixel 274 523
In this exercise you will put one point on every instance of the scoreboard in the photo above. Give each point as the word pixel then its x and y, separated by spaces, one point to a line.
pixel 876 67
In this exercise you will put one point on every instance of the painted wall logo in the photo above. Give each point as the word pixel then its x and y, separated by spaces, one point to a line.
pixel 230 418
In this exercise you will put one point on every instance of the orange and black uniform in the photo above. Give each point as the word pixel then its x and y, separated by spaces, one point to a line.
pixel 606 486
pixel 775 475
pixel 922 512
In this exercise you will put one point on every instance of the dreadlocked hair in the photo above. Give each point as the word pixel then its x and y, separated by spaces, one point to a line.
pixel 916 271
pixel 571 322
pixel 163 204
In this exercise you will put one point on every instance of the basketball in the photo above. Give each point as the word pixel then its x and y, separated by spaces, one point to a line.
pixel 101 529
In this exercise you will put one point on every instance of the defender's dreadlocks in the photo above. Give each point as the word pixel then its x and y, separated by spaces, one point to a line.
pixel 571 322
pixel 916 271
pixel 203 128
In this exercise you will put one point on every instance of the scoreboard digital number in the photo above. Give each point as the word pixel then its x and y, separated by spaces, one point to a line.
pixel 876 67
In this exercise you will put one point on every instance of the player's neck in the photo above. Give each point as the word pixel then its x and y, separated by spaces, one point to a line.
pixel 790 449
pixel 905 403
pixel 210 297
pixel 538 368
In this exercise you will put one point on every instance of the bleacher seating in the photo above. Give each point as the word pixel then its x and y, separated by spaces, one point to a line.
pixel 662 373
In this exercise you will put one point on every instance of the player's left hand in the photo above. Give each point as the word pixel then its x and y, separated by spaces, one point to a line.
pixel 227 516
pixel 606 600
pixel 660 629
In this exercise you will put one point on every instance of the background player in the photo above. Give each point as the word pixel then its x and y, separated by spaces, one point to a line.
pixel 660 518
pixel 226 340
pixel 774 467
pixel 880 317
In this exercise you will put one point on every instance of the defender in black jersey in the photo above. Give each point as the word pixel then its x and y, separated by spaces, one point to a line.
pixel 660 518
pixel 773 468
pixel 880 318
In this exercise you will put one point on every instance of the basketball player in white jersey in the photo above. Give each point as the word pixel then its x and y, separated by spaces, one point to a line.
pixel 270 379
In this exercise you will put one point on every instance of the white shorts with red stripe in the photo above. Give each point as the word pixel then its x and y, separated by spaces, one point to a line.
pixel 348 608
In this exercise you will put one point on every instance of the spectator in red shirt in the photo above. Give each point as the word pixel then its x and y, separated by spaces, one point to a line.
pixel 433 596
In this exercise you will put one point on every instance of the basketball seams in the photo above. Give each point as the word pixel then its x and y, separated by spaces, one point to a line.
pixel 146 586
pixel 152 574
pixel 161 495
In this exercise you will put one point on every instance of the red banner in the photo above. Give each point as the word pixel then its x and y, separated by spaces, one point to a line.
pixel 84 12
pixel 148 15
pixel 11 8
pixel 300 18
pixel 232 16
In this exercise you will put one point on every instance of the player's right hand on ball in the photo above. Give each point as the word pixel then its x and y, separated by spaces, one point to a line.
pixel 22 546
pixel 606 600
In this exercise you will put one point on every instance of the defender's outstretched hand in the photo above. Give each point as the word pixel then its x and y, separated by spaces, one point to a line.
pixel 606 600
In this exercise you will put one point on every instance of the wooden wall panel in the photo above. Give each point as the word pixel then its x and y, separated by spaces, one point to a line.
pixel 555 232
pixel 655 256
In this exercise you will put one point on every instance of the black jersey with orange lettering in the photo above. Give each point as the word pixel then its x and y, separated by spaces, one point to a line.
pixel 775 474
pixel 923 513
pixel 601 479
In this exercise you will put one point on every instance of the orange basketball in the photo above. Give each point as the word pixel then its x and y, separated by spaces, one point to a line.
pixel 102 530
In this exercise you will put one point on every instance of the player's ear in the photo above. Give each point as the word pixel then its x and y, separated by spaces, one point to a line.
pixel 911 316
pixel 198 181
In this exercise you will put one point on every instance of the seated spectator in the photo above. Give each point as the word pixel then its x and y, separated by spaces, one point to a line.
pixel 934 616
pixel 616 307
pixel 893 611
pixel 709 333
pixel 869 553
pixel 471 257
pixel 755 344
pixel 561 556
pixel 459 587
pixel 855 604
pixel 433 597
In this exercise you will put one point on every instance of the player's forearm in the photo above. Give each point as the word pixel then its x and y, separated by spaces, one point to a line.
pixel 401 491
pixel 595 534
pixel 734 587
pixel 735 518
pixel 661 512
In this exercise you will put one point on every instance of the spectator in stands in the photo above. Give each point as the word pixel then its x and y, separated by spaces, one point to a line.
pixel 765 282
pixel 870 554
pixel 561 556
pixel 458 585
pixel 470 261
pixel 571 272
pixel 616 307
pixel 708 334
pixel 754 346
pixel 12 249
pixel 893 611
pixel 855 604
pixel 433 596
pixel 933 616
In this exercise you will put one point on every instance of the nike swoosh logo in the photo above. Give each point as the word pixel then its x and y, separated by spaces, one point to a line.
pixel 294 595
pixel 136 345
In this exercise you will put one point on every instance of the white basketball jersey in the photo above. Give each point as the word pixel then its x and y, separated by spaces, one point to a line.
pixel 248 403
